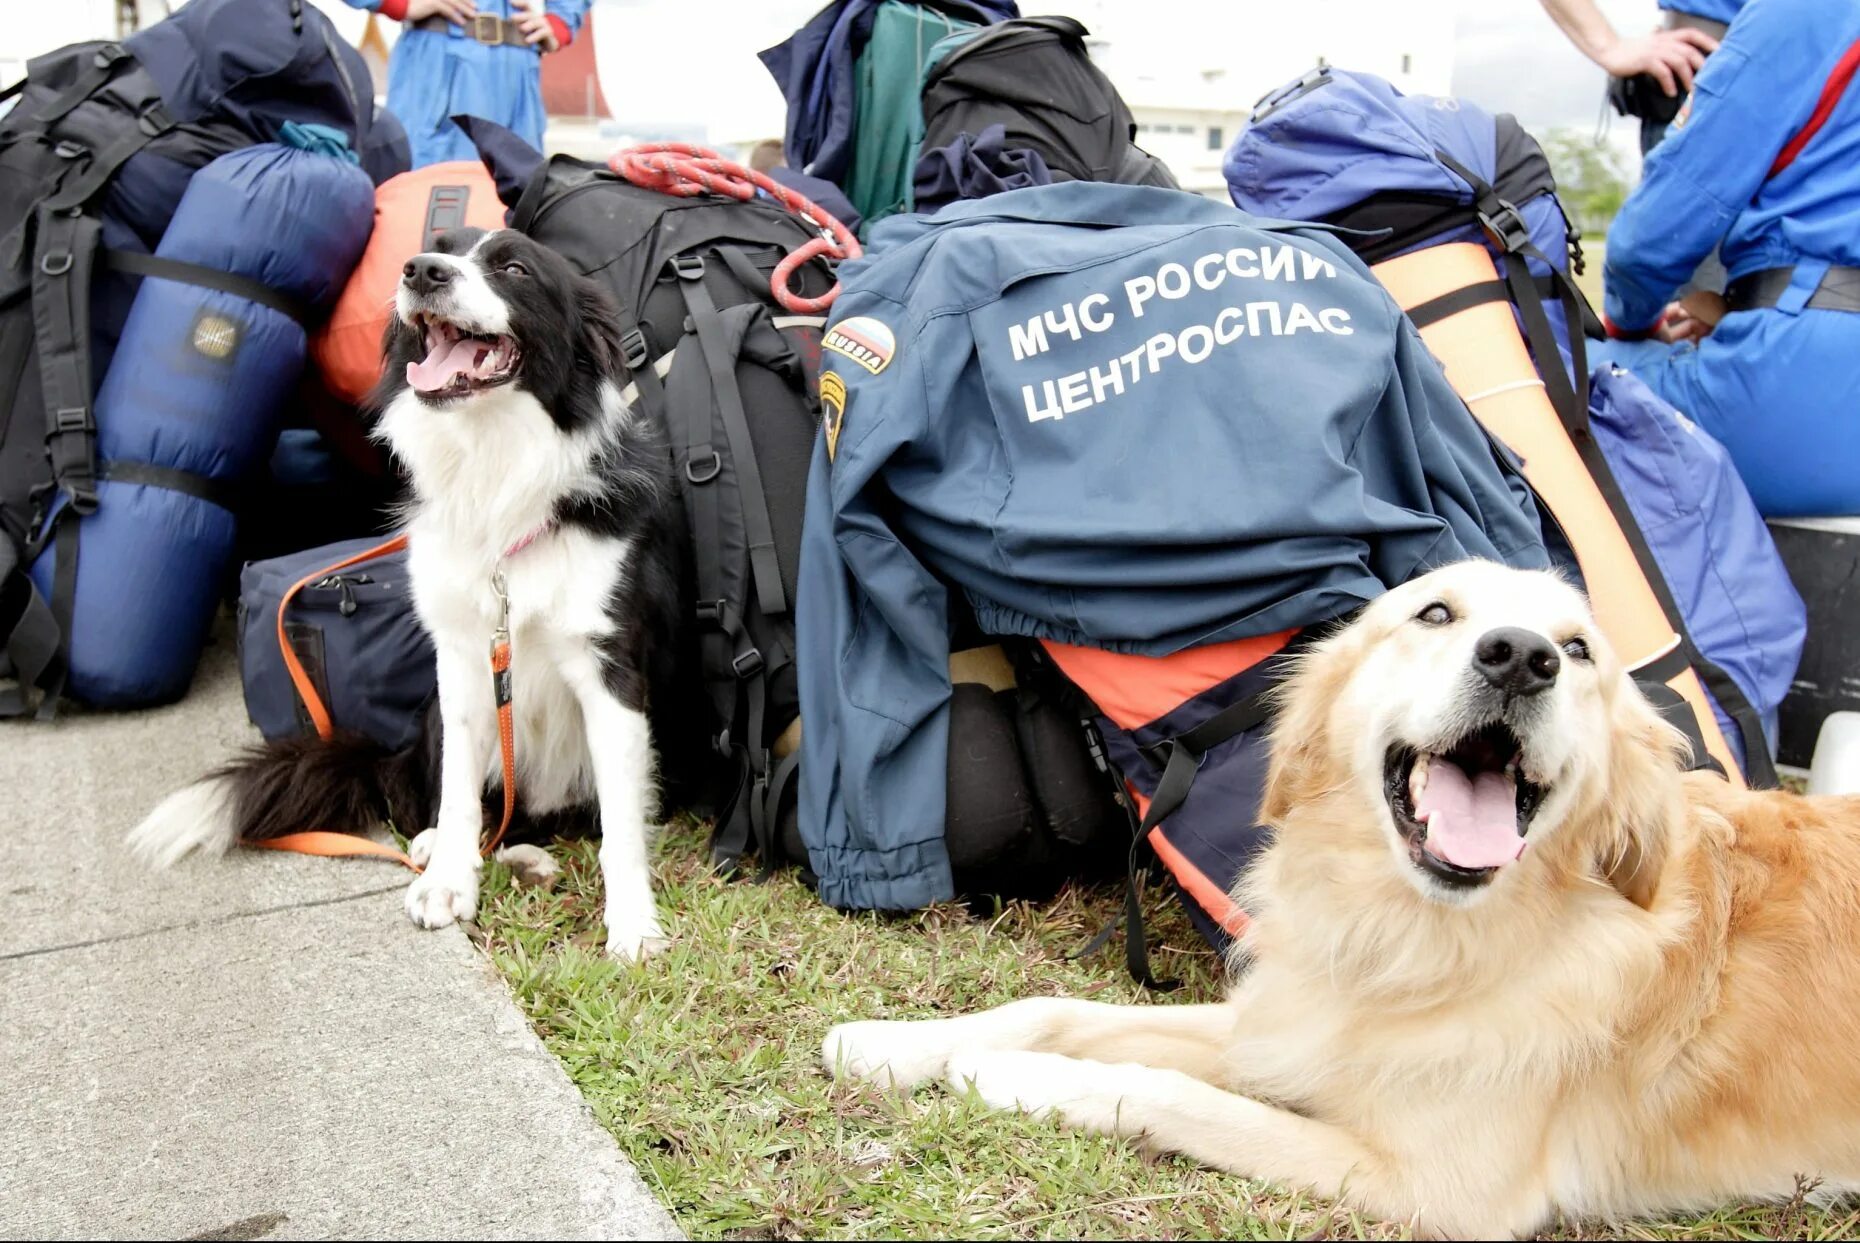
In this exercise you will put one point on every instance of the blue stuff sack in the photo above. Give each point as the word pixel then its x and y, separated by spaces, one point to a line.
pixel 355 633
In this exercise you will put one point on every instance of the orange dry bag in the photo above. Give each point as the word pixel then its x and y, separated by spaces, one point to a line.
pixel 411 211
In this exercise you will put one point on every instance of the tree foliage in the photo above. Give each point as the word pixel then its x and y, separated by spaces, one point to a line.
pixel 1590 178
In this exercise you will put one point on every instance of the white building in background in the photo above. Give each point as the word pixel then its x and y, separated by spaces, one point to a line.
pixel 1191 70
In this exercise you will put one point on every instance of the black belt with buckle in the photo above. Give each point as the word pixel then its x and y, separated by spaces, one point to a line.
pixel 1675 20
pixel 1839 290
pixel 486 29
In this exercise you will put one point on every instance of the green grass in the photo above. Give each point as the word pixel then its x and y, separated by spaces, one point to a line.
pixel 704 1065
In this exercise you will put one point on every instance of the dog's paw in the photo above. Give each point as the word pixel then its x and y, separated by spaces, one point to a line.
pixel 420 849
pixel 636 942
pixel 444 894
pixel 1084 1094
pixel 891 1054
pixel 530 865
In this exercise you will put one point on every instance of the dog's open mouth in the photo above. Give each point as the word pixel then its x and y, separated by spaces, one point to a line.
pixel 459 362
pixel 1463 811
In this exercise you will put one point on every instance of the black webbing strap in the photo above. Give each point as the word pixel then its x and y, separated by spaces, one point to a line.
pixel 688 382
pixel 1449 304
pixel 103 66
pixel 203 487
pixel 1181 765
pixel 31 643
pixel 734 833
pixel 779 783
pixel 1569 396
pixel 95 170
pixel 64 577
pixel 760 531
pixel 66 245
pixel 136 263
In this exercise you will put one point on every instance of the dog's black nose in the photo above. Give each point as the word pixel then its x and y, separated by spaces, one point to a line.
pixel 1516 660
pixel 425 273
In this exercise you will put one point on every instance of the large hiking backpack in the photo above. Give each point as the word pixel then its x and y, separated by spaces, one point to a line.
pixel 1035 77
pixel 94 158
pixel 1457 210
pixel 733 375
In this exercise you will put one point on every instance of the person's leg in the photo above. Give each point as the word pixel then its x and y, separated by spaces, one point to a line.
pixel 1776 390
pixel 419 94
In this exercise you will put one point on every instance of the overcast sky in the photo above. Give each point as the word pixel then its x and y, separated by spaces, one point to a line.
pixel 1508 57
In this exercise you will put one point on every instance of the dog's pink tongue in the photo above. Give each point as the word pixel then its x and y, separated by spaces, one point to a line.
pixel 446 361
pixel 1471 822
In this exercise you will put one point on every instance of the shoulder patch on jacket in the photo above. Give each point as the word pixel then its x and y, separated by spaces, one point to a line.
pixel 833 408
pixel 864 340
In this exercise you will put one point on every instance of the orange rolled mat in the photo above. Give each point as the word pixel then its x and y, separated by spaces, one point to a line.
pixel 1486 361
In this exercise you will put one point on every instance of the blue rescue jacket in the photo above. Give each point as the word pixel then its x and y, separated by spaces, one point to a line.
pixel 1117 416
pixel 1775 385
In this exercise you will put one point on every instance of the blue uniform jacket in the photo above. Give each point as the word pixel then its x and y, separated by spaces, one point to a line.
pixel 1775 386
pixel 1109 415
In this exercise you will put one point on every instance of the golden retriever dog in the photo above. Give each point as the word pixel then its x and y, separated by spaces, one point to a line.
pixel 1506 960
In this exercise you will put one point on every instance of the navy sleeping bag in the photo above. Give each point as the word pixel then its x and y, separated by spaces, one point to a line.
pixel 189 408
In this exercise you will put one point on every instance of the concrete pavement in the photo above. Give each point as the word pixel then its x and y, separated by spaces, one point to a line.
pixel 258 1047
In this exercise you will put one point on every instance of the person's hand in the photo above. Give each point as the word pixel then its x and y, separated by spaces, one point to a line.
pixel 1678 324
pixel 537 30
pixel 458 12
pixel 1671 56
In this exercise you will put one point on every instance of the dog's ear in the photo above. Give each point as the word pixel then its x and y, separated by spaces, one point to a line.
pixel 598 320
pixel 1643 798
pixel 1301 765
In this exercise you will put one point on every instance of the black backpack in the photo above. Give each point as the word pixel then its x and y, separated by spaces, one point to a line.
pixel 94 157
pixel 1034 76
pixel 734 378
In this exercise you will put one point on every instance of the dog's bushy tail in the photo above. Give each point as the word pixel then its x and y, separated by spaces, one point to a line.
pixel 345 784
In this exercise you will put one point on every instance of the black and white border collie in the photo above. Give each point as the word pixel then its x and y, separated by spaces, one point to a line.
pixel 503 400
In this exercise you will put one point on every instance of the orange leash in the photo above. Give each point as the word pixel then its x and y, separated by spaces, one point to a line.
pixel 344 845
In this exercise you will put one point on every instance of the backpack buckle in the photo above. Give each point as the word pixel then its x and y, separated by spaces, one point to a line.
pixel 153 120
pixel 70 419
pixel 688 267
pixel 633 351
pixel 68 150
pixel 1277 98
pixel 1506 225
pixel 747 665
pixel 56 263
pixel 710 612
pixel 710 469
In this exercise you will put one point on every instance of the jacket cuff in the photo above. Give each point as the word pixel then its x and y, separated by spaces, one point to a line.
pixel 1617 333
pixel 393 10
pixel 563 35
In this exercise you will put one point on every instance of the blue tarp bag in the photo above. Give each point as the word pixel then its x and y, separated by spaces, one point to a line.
pixel 1710 541
pixel 189 409
pixel 1407 172
pixel 354 632
pixel 1412 171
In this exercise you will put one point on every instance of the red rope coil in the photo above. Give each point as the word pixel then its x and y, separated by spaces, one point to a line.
pixel 686 170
